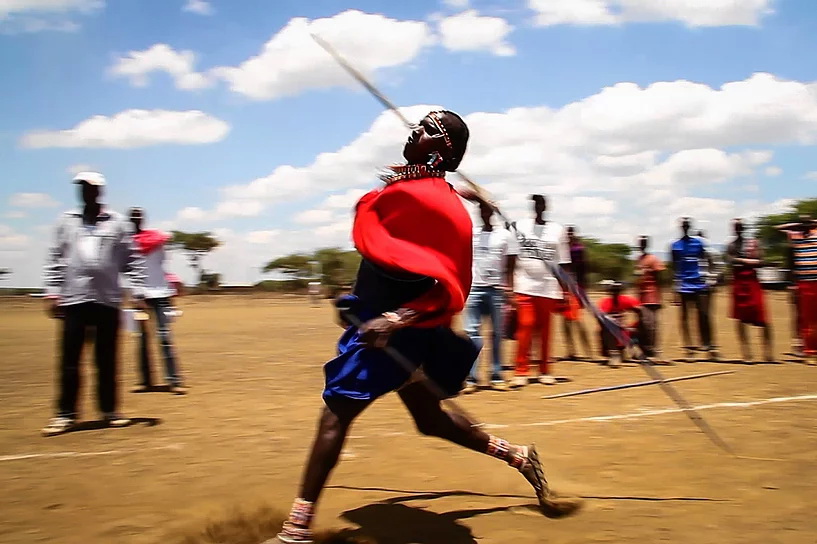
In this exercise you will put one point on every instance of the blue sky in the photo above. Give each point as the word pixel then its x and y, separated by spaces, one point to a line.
pixel 628 112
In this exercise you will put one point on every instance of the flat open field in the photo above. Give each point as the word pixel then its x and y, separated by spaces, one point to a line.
pixel 240 438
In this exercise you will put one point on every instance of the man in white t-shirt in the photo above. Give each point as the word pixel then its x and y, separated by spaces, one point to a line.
pixel 158 293
pixel 536 293
pixel 487 294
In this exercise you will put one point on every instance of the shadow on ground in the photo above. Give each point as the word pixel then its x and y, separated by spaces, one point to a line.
pixel 101 424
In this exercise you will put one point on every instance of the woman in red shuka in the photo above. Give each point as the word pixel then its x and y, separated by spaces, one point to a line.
pixel 748 305
pixel 414 236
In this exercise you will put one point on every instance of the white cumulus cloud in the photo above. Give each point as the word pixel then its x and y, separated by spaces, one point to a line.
pixel 28 16
pixel 199 7
pixel 180 65
pixel 625 161
pixel 11 240
pixel 134 128
pixel 16 7
pixel 470 31
pixel 191 213
pixel 313 216
pixel 692 13
pixel 75 169
pixel 263 237
pixel 32 200
pixel 291 62
pixel 624 138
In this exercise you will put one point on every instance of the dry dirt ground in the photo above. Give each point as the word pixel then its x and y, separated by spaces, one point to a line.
pixel 240 437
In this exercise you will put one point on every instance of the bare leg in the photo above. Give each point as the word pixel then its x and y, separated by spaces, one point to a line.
pixel 767 341
pixel 744 342
pixel 432 420
pixel 584 339
pixel 657 313
pixel 336 418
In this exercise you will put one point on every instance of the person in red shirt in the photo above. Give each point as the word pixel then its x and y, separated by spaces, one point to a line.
pixel 748 305
pixel 415 239
pixel 648 270
pixel 616 306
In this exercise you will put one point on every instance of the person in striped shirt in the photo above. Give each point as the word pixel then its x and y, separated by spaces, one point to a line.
pixel 793 231
pixel 804 271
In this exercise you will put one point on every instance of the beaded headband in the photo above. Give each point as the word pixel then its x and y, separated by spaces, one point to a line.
pixel 436 117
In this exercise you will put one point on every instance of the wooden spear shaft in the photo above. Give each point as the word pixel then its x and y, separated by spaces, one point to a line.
pixel 637 384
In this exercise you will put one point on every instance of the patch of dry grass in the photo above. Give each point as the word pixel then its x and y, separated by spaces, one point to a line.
pixel 251 525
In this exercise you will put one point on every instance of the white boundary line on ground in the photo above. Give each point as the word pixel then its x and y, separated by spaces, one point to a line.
pixel 647 413
pixel 63 454
pixel 631 415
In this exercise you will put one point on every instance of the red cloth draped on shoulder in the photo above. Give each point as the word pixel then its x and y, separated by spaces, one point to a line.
pixel 150 240
pixel 420 227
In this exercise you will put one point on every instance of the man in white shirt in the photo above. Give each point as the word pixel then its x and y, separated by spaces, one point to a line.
pixel 92 248
pixel 157 296
pixel 535 290
pixel 487 294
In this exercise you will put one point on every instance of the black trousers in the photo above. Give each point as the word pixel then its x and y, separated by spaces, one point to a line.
pixel 702 300
pixel 78 320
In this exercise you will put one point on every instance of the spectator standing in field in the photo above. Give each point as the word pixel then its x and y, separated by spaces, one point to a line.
pixel 794 231
pixel 571 309
pixel 748 304
pixel 92 246
pixel 158 293
pixel 691 286
pixel 536 292
pixel 712 269
pixel 804 268
pixel 487 295
pixel 648 270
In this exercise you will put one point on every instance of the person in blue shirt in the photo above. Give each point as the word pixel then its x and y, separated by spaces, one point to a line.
pixel 692 287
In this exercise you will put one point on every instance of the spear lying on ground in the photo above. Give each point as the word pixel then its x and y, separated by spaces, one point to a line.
pixel 636 384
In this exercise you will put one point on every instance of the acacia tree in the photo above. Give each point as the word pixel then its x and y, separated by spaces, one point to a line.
pixel 337 267
pixel 607 261
pixel 774 242
pixel 196 246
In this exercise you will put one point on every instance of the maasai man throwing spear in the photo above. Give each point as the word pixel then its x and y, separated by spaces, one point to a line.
pixel 414 236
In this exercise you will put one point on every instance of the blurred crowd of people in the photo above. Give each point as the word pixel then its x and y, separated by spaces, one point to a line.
pixel 515 287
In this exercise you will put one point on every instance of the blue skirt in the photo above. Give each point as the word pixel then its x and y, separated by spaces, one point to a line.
pixel 364 373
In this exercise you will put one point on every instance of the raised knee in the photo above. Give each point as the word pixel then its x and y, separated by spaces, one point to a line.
pixel 331 425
